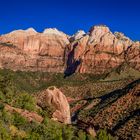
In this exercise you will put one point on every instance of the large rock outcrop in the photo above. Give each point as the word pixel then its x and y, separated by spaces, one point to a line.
pixel 53 98
pixel 29 50
pixel 98 51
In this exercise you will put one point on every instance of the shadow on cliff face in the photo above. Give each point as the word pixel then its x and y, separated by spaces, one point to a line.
pixel 71 64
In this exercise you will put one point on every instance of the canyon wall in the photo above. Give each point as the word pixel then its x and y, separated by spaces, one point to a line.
pixel 97 51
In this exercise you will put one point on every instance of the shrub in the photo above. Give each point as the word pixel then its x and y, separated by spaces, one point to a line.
pixel 18 120
pixel 25 101
pixel 4 135
pixel 103 135
pixel 1 106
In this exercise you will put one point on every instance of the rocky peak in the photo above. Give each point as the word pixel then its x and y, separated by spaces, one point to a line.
pixel 121 36
pixel 53 31
pixel 97 32
pixel 99 29
pixel 137 43
pixel 79 35
pixel 17 37
pixel 100 51
pixel 31 31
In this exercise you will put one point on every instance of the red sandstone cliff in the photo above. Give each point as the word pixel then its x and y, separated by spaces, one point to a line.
pixel 97 51
pixel 100 50
pixel 29 50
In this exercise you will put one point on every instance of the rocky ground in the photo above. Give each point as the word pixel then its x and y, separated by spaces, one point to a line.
pixel 118 111
pixel 96 102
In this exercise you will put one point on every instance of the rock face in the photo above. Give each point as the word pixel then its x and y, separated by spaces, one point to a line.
pixel 100 50
pixel 132 56
pixel 29 50
pixel 54 98
pixel 97 51
pixel 30 116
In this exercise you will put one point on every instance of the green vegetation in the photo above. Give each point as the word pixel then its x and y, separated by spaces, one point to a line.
pixel 17 89
pixel 102 135
pixel 15 127
pixel 124 71
pixel 32 82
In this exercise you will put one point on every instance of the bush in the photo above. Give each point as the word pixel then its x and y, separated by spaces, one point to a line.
pixel 18 120
pixel 25 101
pixel 1 106
pixel 103 135
pixel 4 135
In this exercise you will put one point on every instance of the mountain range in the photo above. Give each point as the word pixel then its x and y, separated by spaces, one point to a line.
pixel 97 51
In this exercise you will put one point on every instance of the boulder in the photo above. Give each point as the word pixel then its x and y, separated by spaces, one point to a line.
pixel 54 98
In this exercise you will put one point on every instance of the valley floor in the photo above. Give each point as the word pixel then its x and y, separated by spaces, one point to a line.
pixel 100 102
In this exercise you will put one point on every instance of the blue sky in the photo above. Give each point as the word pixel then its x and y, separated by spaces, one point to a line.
pixel 71 15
